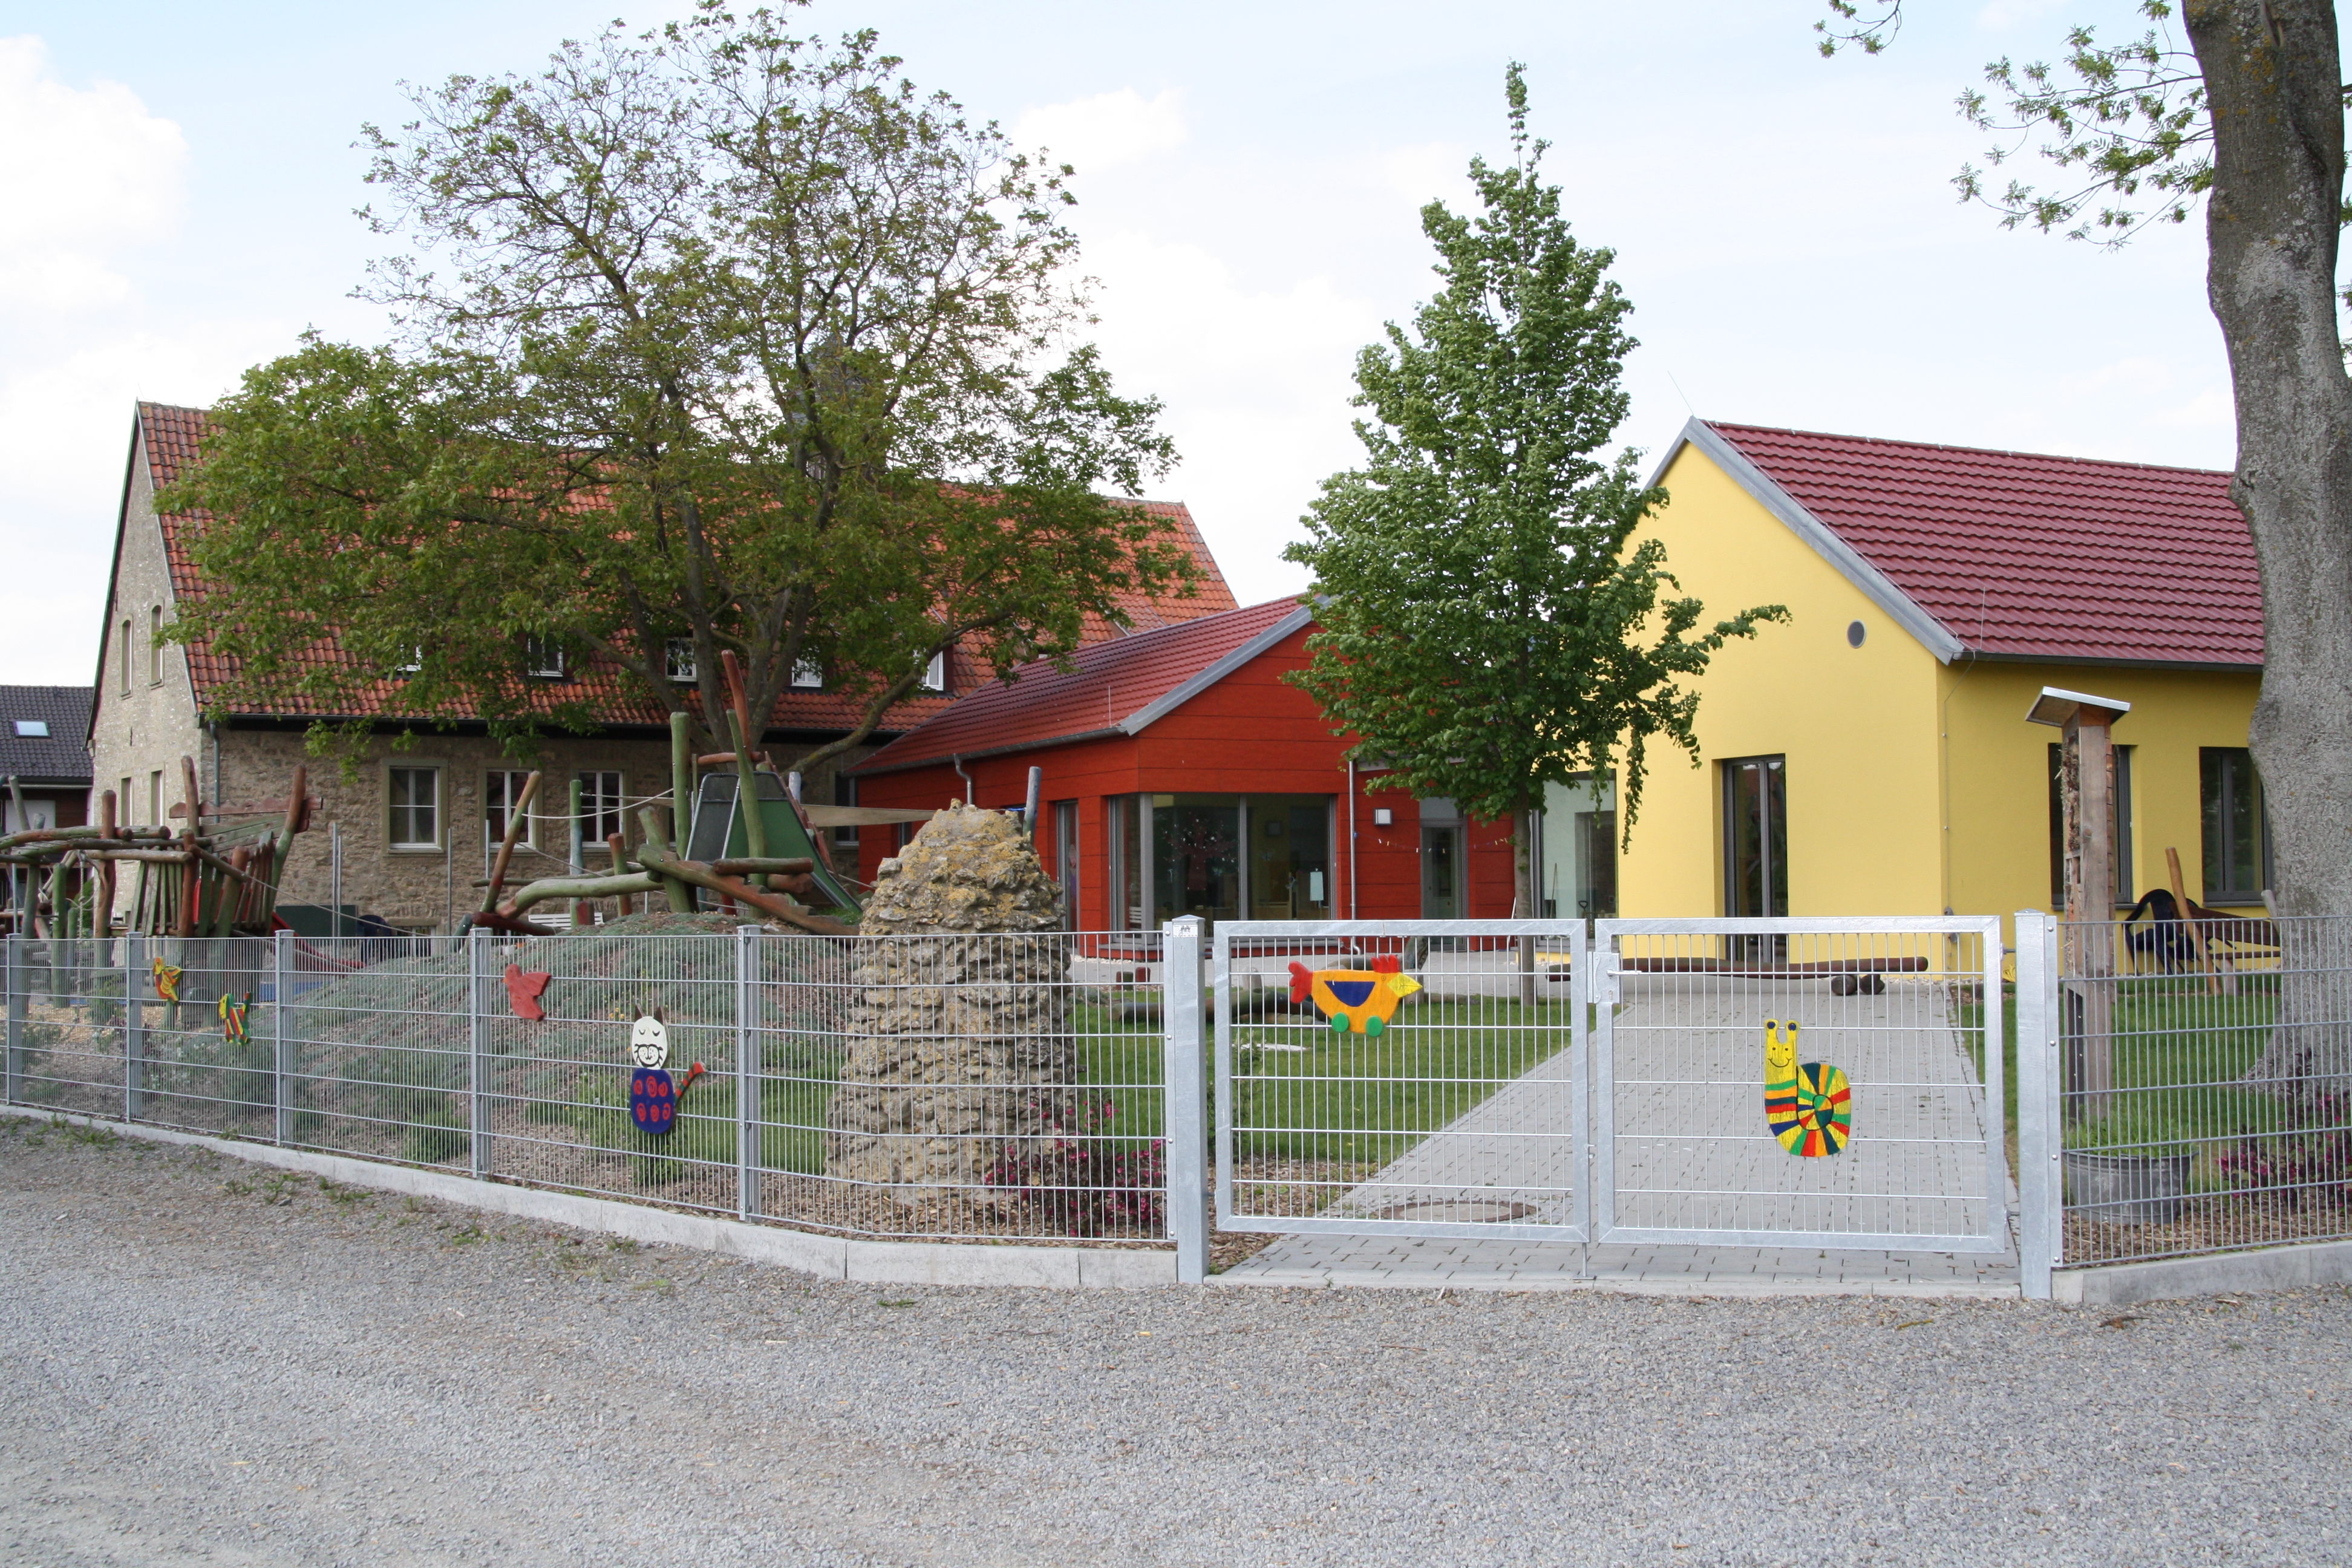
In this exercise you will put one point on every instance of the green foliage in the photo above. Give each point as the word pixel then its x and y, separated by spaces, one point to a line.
pixel 1483 618
pixel 712 334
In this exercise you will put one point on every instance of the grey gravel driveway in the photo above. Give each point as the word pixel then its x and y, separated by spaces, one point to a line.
pixel 208 1363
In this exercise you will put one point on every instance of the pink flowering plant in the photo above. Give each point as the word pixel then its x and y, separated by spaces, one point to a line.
pixel 1078 1178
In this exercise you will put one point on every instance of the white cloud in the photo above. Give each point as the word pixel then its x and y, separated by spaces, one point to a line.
pixel 1107 130
pixel 1256 383
pixel 93 186
pixel 85 173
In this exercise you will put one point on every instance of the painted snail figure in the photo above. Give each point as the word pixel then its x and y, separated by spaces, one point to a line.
pixel 1810 1105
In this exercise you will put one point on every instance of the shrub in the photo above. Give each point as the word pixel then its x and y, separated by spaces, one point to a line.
pixel 1078 1179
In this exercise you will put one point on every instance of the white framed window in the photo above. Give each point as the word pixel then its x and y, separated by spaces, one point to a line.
pixel 543 658
pixel 155 645
pixel 600 807
pixel 501 790
pixel 413 664
pixel 935 673
pixel 413 796
pixel 808 675
pixel 678 661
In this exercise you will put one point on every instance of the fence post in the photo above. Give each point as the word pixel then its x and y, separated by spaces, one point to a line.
pixel 747 1073
pixel 134 1030
pixel 14 1053
pixel 478 967
pixel 1186 1096
pixel 2040 1181
pixel 280 1041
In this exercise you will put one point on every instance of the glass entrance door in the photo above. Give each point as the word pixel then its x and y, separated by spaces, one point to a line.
pixel 1755 836
pixel 1441 871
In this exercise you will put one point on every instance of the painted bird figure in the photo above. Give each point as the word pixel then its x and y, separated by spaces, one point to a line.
pixel 1358 1001
pixel 1808 1106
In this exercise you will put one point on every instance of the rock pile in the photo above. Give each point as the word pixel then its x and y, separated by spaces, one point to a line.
pixel 958 1033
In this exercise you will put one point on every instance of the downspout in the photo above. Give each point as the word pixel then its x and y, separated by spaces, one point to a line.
pixel 955 760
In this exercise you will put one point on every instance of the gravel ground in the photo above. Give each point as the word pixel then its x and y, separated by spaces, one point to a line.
pixel 215 1362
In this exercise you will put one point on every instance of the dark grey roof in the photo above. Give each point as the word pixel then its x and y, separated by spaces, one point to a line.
pixel 63 756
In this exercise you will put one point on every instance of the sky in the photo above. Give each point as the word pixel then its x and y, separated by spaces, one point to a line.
pixel 178 184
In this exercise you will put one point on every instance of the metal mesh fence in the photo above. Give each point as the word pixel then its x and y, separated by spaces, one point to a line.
pixel 1388 1076
pixel 1766 1083
pixel 984 1085
pixel 2204 1085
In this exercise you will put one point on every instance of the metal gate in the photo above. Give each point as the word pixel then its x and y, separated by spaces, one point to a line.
pixel 1878 1126
pixel 1424 1077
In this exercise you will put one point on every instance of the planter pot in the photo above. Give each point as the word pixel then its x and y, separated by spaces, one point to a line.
pixel 2126 1189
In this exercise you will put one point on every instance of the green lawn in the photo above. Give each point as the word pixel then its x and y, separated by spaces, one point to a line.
pixel 2179 1053
pixel 1303 1092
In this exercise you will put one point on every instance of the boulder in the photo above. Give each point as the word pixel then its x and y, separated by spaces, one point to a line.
pixel 960 1042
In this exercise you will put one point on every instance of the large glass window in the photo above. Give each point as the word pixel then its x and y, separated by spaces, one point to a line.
pixel 2237 826
pixel 1217 855
pixel 1196 858
pixel 1756 836
pixel 414 798
pixel 1065 859
pixel 1579 855
pixel 2121 845
pixel 1289 862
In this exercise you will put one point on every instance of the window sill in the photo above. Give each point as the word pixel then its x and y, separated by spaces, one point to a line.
pixel 412 848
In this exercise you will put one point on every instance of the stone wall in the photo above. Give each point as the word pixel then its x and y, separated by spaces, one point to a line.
pixel 145 716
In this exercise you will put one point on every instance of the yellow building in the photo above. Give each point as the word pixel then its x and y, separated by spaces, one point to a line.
pixel 1872 755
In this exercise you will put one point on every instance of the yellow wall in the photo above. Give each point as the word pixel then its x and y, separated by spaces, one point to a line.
pixel 1857 725
pixel 1912 787
pixel 2000 792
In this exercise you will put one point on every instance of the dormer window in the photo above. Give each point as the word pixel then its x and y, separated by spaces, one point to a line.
pixel 678 661
pixel 543 658
pixel 935 673
pixel 808 675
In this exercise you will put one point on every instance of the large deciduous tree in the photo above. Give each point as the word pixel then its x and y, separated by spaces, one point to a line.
pixel 709 339
pixel 1487 626
pixel 2250 119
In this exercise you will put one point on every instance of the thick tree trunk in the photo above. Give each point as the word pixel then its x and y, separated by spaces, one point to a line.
pixel 2273 76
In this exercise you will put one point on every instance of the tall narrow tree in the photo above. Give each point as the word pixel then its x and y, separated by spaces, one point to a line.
pixel 1488 624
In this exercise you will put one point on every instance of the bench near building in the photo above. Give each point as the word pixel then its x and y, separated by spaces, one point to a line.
pixel 1870 757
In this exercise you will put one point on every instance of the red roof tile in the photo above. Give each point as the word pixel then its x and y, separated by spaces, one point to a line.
pixel 1115 685
pixel 173 435
pixel 2024 555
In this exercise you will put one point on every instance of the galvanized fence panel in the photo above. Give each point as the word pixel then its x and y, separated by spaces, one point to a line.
pixel 1413 1077
pixel 2207 1085
pixel 199 1055
pixel 65 1024
pixel 982 1086
pixel 1885 1128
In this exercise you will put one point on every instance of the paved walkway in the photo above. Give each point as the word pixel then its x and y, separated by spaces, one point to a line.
pixel 1691 1152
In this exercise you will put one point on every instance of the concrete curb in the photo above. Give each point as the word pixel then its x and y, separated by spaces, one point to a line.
pixel 826 1257
pixel 2169 1278
pixel 1659 1285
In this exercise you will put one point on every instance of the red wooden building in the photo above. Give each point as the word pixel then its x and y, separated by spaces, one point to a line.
pixel 1183 776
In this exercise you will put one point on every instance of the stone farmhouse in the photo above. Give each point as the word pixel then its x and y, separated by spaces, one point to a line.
pixel 409 836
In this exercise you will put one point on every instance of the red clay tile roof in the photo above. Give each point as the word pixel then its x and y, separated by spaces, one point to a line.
pixel 1115 686
pixel 173 435
pixel 2023 555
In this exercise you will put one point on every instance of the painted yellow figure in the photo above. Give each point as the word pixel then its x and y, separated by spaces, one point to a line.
pixel 1810 1105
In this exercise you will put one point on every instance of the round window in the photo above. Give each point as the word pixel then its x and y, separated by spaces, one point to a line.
pixel 1855 632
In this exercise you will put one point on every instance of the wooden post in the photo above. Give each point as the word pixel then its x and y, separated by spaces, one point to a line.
pixel 2087 778
pixel 579 858
pixel 102 905
pixel 681 777
pixel 627 903
pixel 2196 933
